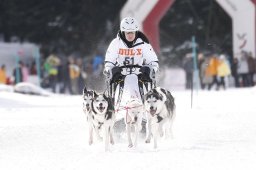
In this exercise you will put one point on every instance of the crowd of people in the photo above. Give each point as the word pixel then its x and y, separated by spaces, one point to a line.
pixel 69 75
pixel 20 73
pixel 219 70
pixel 60 75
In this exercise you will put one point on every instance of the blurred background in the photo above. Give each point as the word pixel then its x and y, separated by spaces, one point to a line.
pixel 60 45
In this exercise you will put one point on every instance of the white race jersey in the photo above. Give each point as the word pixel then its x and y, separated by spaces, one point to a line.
pixel 141 53
pixel 119 54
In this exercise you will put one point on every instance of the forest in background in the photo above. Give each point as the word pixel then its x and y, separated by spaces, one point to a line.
pixel 87 26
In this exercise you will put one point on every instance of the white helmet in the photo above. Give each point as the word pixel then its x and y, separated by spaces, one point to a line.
pixel 129 24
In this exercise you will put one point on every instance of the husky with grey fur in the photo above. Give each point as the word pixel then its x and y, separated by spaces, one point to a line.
pixel 88 96
pixel 160 108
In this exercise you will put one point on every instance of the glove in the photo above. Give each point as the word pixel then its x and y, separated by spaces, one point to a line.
pixel 145 71
pixel 113 74
pixel 147 74
pixel 116 74
pixel 110 73
pixel 107 73
pixel 116 71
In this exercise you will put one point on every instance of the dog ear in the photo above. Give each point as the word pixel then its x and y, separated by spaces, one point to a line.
pixel 150 92
pixel 146 95
pixel 160 97
pixel 85 90
pixel 94 94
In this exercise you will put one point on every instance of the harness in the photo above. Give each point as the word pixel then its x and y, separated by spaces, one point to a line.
pixel 126 108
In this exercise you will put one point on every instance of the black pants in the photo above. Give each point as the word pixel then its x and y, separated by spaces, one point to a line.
pixel 236 79
pixel 251 82
pixel 215 81
pixel 53 82
pixel 222 82
pixel 245 79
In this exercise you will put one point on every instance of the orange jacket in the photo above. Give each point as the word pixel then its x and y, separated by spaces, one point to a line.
pixel 74 71
pixel 3 77
pixel 212 67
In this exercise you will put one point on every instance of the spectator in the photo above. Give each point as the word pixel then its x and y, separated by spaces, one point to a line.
pixel 201 60
pixel 243 69
pixel 17 73
pixel 235 75
pixel 25 72
pixel 51 66
pixel 82 76
pixel 212 71
pixel 33 70
pixel 206 77
pixel 66 78
pixel 223 70
pixel 252 69
pixel 74 72
pixel 3 77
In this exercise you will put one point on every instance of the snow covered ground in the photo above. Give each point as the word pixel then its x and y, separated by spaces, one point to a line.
pixel 50 133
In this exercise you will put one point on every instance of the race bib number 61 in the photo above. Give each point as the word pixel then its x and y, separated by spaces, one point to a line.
pixel 128 61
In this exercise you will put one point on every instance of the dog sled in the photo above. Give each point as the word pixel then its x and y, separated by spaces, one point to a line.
pixel 123 107
pixel 128 86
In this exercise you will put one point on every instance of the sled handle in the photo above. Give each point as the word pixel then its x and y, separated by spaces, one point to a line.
pixel 130 66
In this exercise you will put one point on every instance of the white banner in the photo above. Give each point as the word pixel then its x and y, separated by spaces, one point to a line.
pixel 242 13
pixel 138 9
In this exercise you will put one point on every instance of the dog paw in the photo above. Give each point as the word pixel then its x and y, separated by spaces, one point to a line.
pixel 130 145
pixel 112 142
pixel 90 142
pixel 147 141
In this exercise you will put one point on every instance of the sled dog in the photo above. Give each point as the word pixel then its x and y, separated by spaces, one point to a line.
pixel 87 102
pixel 103 118
pixel 100 116
pixel 134 114
pixel 160 108
pixel 88 96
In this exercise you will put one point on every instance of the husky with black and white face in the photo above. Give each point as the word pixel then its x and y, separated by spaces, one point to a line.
pixel 103 118
pixel 99 112
pixel 160 107
pixel 88 96
pixel 87 102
